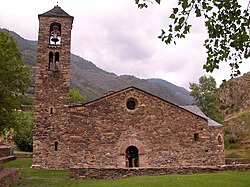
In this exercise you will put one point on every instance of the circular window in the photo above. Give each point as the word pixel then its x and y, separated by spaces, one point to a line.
pixel 131 104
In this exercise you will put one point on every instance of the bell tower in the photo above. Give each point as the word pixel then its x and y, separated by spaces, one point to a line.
pixel 51 113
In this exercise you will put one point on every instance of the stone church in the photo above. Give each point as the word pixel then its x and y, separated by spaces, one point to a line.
pixel 128 128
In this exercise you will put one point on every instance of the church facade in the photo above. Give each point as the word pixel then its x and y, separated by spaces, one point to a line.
pixel 128 128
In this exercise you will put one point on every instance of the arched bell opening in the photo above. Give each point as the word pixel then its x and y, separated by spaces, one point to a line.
pixel 57 61
pixel 51 56
pixel 54 59
pixel 132 156
pixel 55 33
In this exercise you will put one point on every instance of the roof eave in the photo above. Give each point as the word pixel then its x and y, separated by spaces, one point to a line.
pixel 41 15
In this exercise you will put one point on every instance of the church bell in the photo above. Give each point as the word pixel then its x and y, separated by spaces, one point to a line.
pixel 55 34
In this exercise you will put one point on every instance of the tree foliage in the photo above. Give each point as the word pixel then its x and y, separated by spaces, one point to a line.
pixel 75 96
pixel 227 25
pixel 14 78
pixel 23 130
pixel 206 97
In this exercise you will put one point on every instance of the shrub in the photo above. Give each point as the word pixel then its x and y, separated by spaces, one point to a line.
pixel 24 130
pixel 232 155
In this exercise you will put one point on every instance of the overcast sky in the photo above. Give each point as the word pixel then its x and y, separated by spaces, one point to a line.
pixel 118 37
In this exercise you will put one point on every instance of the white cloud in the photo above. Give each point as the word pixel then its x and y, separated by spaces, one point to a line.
pixel 120 38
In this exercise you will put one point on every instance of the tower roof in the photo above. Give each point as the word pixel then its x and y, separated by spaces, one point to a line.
pixel 56 12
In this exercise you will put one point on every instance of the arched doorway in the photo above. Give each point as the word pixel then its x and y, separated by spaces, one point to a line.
pixel 132 156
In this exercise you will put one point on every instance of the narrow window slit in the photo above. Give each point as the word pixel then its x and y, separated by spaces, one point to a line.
pixel 196 136
pixel 56 145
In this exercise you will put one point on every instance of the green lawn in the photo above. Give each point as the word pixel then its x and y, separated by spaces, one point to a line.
pixel 39 177
pixel 21 152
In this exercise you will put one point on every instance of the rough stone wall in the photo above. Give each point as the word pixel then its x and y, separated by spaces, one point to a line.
pixel 111 173
pixel 51 113
pixel 6 151
pixel 215 150
pixel 233 161
pixel 9 176
pixel 162 132
pixel 6 159
pixel 20 155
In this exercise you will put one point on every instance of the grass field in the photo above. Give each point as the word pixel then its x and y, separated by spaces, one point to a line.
pixel 21 152
pixel 38 177
pixel 238 153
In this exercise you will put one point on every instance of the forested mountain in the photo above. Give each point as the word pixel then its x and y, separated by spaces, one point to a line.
pixel 94 82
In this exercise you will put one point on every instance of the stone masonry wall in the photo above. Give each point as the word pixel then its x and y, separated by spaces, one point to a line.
pixel 6 151
pixel 162 132
pixel 233 161
pixel 20 155
pixel 9 176
pixel 51 113
pixel 111 173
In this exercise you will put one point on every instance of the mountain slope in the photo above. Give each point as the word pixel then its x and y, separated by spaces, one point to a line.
pixel 235 98
pixel 178 92
pixel 234 94
pixel 94 82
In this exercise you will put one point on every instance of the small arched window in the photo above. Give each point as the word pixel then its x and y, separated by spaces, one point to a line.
pixel 51 110
pixel 51 61
pixel 56 145
pixel 219 140
pixel 57 67
pixel 196 136
pixel 55 34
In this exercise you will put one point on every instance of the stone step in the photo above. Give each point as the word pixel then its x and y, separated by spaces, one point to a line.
pixel 9 176
pixel 7 159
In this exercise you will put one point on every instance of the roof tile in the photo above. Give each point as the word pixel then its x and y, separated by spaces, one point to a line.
pixel 56 12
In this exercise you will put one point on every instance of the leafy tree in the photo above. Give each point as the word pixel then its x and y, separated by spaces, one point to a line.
pixel 75 96
pixel 23 130
pixel 227 26
pixel 14 78
pixel 206 97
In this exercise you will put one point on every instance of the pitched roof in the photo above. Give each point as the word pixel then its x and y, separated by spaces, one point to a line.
pixel 56 12
pixel 135 88
pixel 195 109
pixel 112 93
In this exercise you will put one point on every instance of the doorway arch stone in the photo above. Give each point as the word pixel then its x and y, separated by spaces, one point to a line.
pixel 141 152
